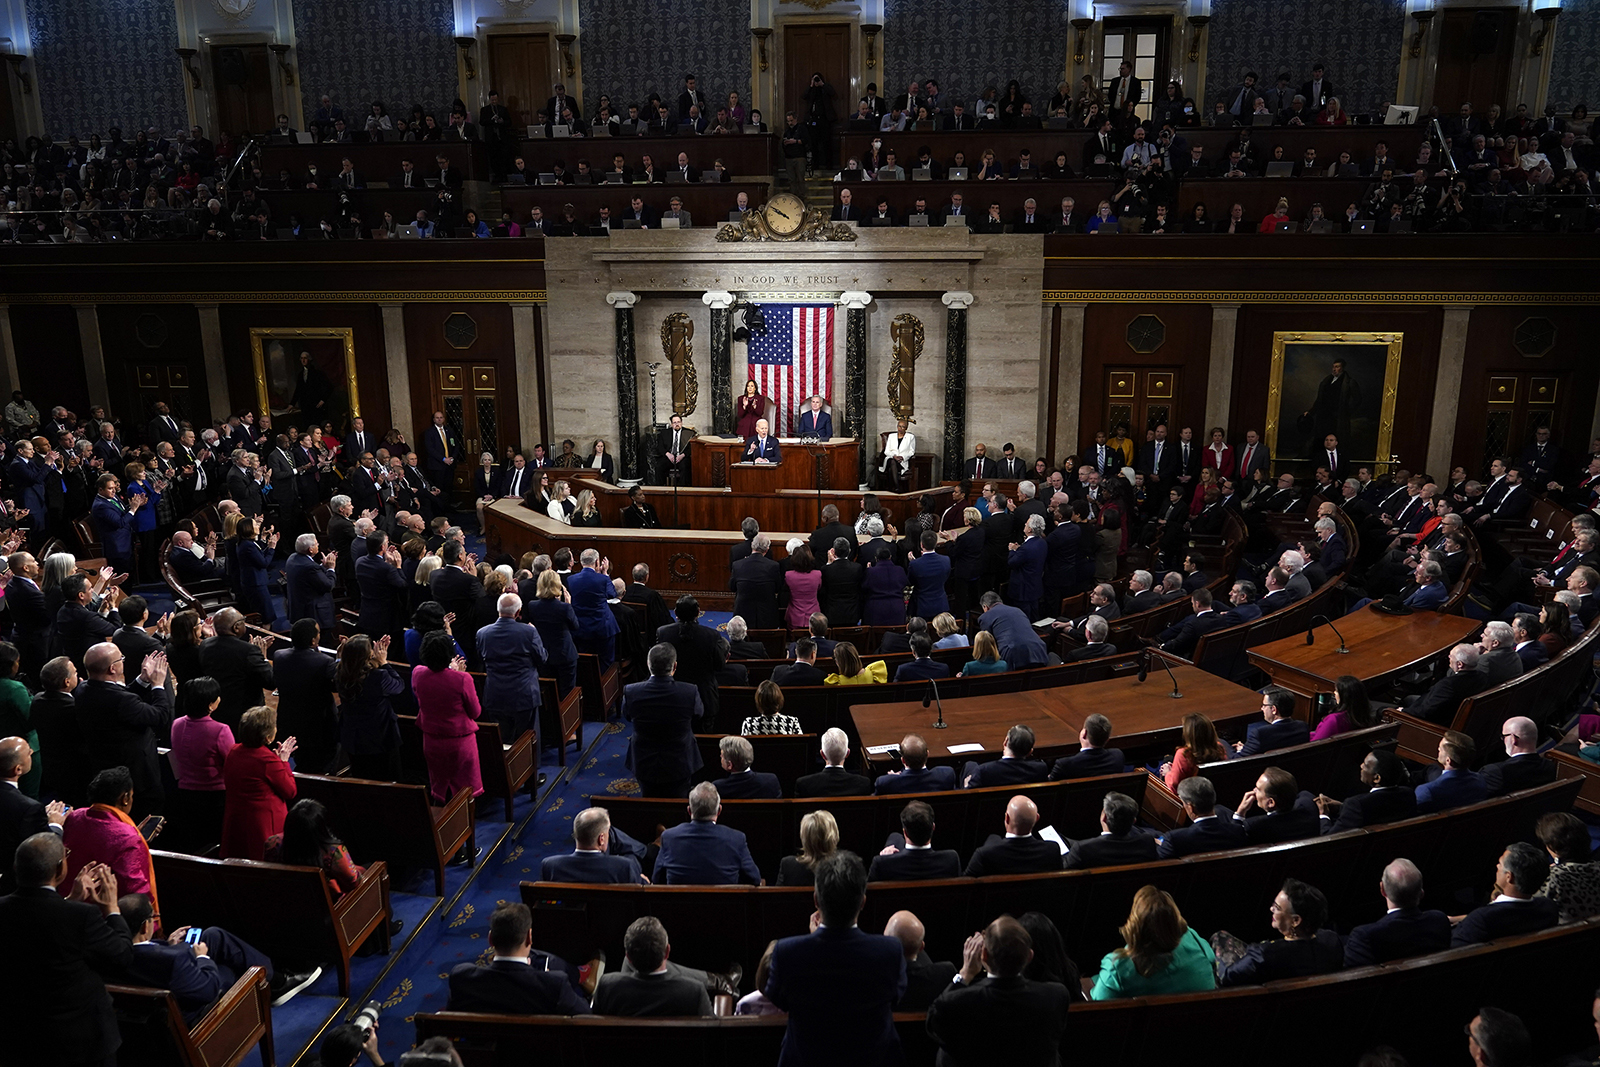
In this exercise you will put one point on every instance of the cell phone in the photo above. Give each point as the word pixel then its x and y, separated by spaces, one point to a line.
pixel 150 826
pixel 192 937
pixel 894 753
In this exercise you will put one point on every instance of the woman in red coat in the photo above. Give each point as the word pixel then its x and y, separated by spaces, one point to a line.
pixel 1221 453
pixel 447 715
pixel 259 786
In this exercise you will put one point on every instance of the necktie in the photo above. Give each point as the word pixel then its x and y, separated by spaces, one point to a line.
pixel 516 483
pixel 446 439
pixel 1158 457
pixel 174 428
pixel 1186 456
pixel 677 436
pixel 1333 464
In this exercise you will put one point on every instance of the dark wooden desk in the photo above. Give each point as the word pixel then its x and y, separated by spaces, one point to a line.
pixel 707 205
pixel 717 462
pixel 1056 715
pixel 310 206
pixel 1380 645
pixel 741 154
pixel 376 162
pixel 1259 196
pixel 713 508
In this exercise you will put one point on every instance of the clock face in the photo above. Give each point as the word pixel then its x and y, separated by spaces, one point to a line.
pixel 785 214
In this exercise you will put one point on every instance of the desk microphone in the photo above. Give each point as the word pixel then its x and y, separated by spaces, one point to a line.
pixel 933 696
pixel 1144 672
pixel 1312 625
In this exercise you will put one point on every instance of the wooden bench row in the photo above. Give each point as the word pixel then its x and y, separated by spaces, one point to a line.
pixel 1417 1006
pixel 712 927
pixel 156 1034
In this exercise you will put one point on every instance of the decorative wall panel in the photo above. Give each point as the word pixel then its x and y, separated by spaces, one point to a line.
pixel 967 47
pixel 104 63
pixel 399 51
pixel 630 50
pixel 1575 63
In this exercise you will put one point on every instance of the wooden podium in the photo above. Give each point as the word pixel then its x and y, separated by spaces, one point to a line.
pixel 716 463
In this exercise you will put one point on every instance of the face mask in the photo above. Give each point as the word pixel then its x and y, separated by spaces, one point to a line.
pixel 877 144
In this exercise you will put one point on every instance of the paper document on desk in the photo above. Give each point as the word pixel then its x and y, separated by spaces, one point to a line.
pixel 954 749
pixel 878 750
pixel 1050 833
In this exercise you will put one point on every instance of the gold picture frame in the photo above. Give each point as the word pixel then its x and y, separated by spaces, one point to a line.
pixel 333 349
pixel 1293 387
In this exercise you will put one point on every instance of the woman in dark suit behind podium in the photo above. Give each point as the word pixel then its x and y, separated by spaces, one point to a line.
pixel 748 409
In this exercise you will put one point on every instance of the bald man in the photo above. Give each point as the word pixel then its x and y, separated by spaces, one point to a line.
pixel 21 816
pixel 238 663
pixel 925 978
pixel 1523 767
pixel 1020 851
pixel 967 1017
pixel 121 719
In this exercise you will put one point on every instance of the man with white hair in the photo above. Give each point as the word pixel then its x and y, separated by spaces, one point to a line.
pixel 1026 563
pixel 592 593
pixel 1333 546
pixel 755 585
pixel 308 584
pixel 699 852
pixel 1294 563
pixel 739 644
pixel 1142 594
pixel 1523 767
pixel 834 780
pixel 1406 930
pixel 1497 654
pixel 592 862
pixel 1439 704
pixel 511 653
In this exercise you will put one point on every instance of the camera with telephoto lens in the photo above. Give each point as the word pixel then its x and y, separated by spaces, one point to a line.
pixel 367 1017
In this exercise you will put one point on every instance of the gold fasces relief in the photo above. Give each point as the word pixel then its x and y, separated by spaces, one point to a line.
pixel 907 334
pixel 677 331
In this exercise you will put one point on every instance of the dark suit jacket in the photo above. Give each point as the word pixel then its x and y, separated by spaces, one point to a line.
pixel 1439 704
pixel 749 785
pixel 798 674
pixel 1506 919
pixel 78 628
pixel 1093 650
pixel 69 946
pixel 649 995
pixel 1533 655
pixel 304 678
pixel 1292 825
pixel 135 644
pixel 1111 850
pixel 1182 636
pixel 191 568
pixel 703 853
pixel 121 724
pixel 663 712
pixel 755 584
pixel 1000 1020
pixel 1005 771
pixel 383 591
pixel 1266 961
pixel 1271 736
pixel 590 867
pixel 841 592
pixel 30 623
pixel 1517 773
pixel 242 671
pixel 308 591
pixel 701 654
pixel 925 780
pixel 918 670
pixel 1401 933
pixel 1014 855
pixel 818 425
pixel 508 987
pixel 753 449
pixel 840 988
pixel 833 782
pixel 1216 834
pixel 20 818
pixel 1376 806
pixel 1087 763
pixel 914 865
pixel 925 980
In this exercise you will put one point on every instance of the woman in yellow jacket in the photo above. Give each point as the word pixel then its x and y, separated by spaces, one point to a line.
pixel 849 670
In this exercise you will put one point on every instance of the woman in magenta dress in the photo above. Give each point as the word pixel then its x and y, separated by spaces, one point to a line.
pixel 447 715
pixel 749 408
pixel 804 580
pixel 1352 709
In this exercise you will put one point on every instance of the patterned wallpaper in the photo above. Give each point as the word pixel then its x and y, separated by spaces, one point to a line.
pixel 631 50
pixel 1575 63
pixel 966 47
pixel 106 63
pixel 399 51
pixel 1357 40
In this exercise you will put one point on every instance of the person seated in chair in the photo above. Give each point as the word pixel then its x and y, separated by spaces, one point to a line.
pixel 1014 767
pixel 1095 632
pixel 1516 909
pixel 1020 851
pixel 1388 797
pixel 915 776
pixel 194 562
pixel 742 783
pixel 1406 930
pixel 1093 757
pixel 1523 767
pixel 1305 948
pixel 922 666
pixel 592 861
pixel 1279 730
pixel 648 984
pixel 518 980
pixel 1458 784
pixel 909 856
pixel 833 780
pixel 699 852
pixel 1120 841
pixel 739 644
pixel 1210 829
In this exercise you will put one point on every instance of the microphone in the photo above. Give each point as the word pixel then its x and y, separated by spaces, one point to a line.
pixel 1144 672
pixel 932 696
pixel 1312 625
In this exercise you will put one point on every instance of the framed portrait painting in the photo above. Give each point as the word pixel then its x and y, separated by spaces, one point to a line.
pixel 1342 384
pixel 306 372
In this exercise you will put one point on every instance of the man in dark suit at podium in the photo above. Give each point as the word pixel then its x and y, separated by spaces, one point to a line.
pixel 763 447
pixel 814 422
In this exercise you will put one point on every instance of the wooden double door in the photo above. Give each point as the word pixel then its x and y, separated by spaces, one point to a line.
pixel 474 410
pixel 519 67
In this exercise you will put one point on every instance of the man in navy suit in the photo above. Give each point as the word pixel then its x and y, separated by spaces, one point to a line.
pixel 838 985
pixel 699 852
pixel 1279 816
pixel 754 583
pixel 663 755
pixel 1458 784
pixel 383 587
pixel 1183 636
pixel 592 861
pixel 113 522
pixel 909 856
pixel 762 448
pixel 1525 629
pixel 1020 851
pixel 1518 875
pixel 1120 841
pixel 1210 828
pixel 742 783
pixel 1406 930
pixel 511 653
pixel 1092 757
pixel 357 441
pixel 1026 563
pixel 814 422
pixel 21 816
pixel 308 585
pixel 930 573
pixel 1523 767
pixel 1279 730
pixel 1388 797
pixel 191 567
pixel 1440 703
pixel 441 450
pixel 1242 597
pixel 921 666
pixel 517 981
pixel 592 593
pixel 833 780
pixel 1012 768
pixel 803 671
pixel 915 776
pixel 1020 645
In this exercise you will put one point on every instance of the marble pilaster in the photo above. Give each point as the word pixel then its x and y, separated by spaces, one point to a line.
pixel 855 371
pixel 955 379
pixel 721 302
pixel 94 359
pixel 627 386
pixel 1447 389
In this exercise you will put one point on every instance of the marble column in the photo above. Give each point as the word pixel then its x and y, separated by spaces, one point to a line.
pixel 627 387
pixel 397 365
pixel 1219 382
pixel 94 359
pixel 211 356
pixel 10 381
pixel 1446 391
pixel 1069 376
pixel 854 423
pixel 527 364
pixel 720 302
pixel 955 380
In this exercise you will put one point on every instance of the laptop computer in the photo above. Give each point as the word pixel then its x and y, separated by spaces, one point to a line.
pixel 1109 226
pixel 1058 123
pixel 304 137
pixel 1400 226
pixel 547 178
pixel 1279 168
pixel 1320 226
pixel 752 129
pixel 613 177
pixel 629 224
pixel 516 179
pixel 431 183
pixel 955 220
pixel 379 233
pixel 710 177
pixel 1361 226
pixel 600 129
pixel 1031 174
pixel 685 129
pixel 1261 118
pixel 673 177
pixel 956 174
pixel 535 131
pixel 671 223
pixel 922 174
pixel 561 131
pixel 284 233
pixel 887 174
pixel 736 216
pixel 917 220
pixel 409 232
pixel 1398 115
pixel 1283 226
pixel 582 179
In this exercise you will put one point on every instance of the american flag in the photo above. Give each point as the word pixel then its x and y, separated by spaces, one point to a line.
pixel 793 359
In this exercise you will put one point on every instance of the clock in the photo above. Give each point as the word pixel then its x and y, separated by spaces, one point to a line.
pixel 785 216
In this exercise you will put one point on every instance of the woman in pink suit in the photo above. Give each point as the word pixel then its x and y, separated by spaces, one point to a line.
pixel 1221 453
pixel 104 833
pixel 447 715
pixel 804 580
pixel 259 786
